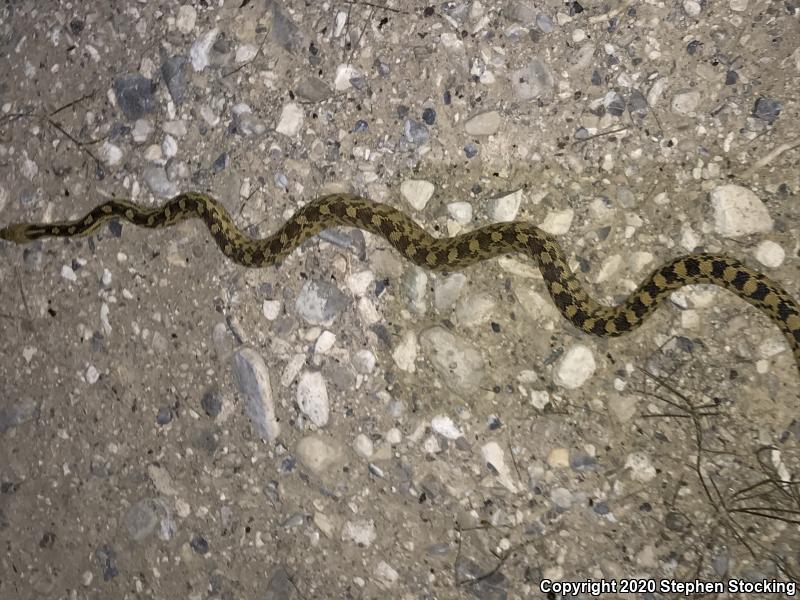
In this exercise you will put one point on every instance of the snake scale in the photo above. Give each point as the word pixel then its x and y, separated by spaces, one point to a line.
pixel 452 253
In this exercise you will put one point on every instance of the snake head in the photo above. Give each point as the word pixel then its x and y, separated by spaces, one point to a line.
pixel 15 233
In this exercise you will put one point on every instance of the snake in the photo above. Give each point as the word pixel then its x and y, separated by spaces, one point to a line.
pixel 446 254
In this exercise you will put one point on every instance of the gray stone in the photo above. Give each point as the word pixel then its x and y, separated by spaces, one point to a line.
pixel 17 414
pixel 254 384
pixel 283 30
pixel 174 72
pixel 458 362
pixel 313 89
pixel 320 302
pixel 534 81
pixel 135 95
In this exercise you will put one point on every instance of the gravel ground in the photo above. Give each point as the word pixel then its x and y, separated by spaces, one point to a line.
pixel 346 425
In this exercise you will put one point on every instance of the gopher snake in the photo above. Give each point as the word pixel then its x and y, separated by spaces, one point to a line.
pixel 417 245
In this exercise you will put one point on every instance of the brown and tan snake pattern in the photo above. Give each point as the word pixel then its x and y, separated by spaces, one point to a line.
pixel 457 252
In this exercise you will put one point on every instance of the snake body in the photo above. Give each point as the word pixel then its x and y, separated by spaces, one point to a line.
pixel 452 253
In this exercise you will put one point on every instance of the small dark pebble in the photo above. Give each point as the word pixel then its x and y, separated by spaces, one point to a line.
pixel 8 487
pixel 164 415
pixel 685 344
pixel 199 544
pixel 115 228
pixel 581 133
pixel 220 163
pixel 76 26
pixel 693 46
pixel 381 67
pixel 360 126
pixel 429 116
pixel 601 508
pixel 596 79
pixel 645 507
pixel 731 77
pixel 380 286
pixel 118 130
pixel 358 82
pixel 402 111
pixel 575 8
pixel 495 327
pixel 135 95
pixel 48 539
pixel 447 98
pixel 415 132
pixel 288 464
pixel 470 150
pixel 495 423
pixel 212 402
pixel 107 558
pixel 767 109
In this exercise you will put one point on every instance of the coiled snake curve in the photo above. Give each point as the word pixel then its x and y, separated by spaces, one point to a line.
pixel 453 253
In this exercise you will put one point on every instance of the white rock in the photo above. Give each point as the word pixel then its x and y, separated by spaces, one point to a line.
pixel 175 128
pixel 447 289
pixel 417 192
pixel 444 426
pixel 486 123
pixel 271 309
pixel 142 130
pixel 110 154
pixel 317 453
pixel 187 16
pixel 475 309
pixel 738 5
pixel 244 53
pixel 291 120
pixel 494 455
pixel 641 468
pixel 558 222
pixel 685 103
pixel 92 375
pixel 312 397
pixel 540 399
pixel 68 273
pixel 691 7
pixel 394 436
pixel 770 254
pixel 360 282
pixel 575 367
pixel 363 445
pixel 360 532
pixel 558 458
pixel 405 354
pixel 169 146
pixel 430 445
pixel 385 575
pixel 415 287
pixel 199 52
pixel 364 361
pixel 507 207
pixel 344 73
pixel 324 342
pixel 460 211
pixel 738 211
